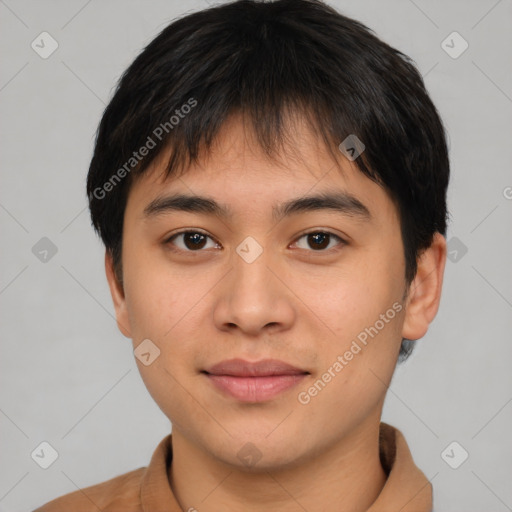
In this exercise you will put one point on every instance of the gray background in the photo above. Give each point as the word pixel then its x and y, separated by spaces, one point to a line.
pixel 68 377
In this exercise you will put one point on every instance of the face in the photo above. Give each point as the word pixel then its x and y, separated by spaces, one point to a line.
pixel 258 273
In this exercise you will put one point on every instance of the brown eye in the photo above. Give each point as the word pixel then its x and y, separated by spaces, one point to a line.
pixel 318 240
pixel 190 241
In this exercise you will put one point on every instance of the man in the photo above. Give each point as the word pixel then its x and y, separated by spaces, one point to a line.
pixel 269 181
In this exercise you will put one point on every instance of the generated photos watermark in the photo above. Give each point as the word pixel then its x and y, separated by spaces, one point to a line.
pixel 304 397
pixel 137 156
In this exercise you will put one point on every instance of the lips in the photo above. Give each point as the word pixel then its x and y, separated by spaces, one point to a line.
pixel 254 382
pixel 264 368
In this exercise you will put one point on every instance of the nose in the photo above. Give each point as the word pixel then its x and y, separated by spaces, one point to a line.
pixel 254 298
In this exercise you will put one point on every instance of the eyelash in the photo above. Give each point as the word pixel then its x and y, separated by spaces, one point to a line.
pixel 341 241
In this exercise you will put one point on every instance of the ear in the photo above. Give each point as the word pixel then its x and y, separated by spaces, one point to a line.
pixel 117 292
pixel 425 290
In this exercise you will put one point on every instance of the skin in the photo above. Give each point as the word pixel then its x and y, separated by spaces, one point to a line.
pixel 295 303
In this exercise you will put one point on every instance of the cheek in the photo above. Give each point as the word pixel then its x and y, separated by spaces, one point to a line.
pixel 363 309
pixel 353 298
pixel 362 360
pixel 158 297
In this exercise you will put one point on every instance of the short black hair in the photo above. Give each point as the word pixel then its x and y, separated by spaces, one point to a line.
pixel 270 60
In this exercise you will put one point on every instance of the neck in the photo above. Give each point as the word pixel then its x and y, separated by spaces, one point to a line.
pixel 347 476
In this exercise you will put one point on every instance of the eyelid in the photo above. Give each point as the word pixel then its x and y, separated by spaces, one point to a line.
pixel 186 230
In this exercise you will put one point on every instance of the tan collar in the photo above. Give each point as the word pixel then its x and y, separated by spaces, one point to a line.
pixel 406 489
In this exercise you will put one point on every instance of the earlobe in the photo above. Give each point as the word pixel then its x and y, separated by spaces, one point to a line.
pixel 118 297
pixel 425 290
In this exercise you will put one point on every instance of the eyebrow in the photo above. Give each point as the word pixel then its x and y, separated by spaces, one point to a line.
pixel 340 202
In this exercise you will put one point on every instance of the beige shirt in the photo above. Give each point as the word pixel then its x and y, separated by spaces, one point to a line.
pixel 147 489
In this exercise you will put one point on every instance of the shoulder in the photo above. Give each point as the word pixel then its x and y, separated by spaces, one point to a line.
pixel 119 493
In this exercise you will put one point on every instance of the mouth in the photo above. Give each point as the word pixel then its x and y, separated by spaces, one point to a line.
pixel 254 382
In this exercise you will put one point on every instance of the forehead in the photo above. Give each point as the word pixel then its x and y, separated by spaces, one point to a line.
pixel 240 175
